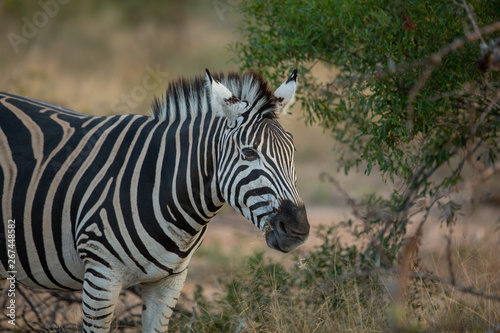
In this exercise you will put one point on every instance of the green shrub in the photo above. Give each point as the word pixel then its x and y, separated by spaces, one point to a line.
pixel 409 100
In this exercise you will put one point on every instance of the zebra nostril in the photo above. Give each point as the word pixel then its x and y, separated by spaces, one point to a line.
pixel 281 227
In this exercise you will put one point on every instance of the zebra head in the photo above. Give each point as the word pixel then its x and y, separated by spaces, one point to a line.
pixel 256 175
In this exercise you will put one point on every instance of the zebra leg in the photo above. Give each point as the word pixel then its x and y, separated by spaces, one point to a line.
pixel 100 294
pixel 158 301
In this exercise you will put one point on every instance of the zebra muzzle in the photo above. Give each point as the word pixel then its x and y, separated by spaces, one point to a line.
pixel 289 227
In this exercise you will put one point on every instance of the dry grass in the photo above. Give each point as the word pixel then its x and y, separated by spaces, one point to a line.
pixel 358 305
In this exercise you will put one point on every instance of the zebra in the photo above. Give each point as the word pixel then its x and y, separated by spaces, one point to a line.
pixel 101 203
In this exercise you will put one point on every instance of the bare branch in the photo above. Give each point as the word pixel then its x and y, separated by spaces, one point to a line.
pixel 416 275
pixel 449 256
pixel 494 329
pixel 470 15
pixel 436 58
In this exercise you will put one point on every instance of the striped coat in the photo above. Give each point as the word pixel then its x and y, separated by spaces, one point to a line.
pixel 102 203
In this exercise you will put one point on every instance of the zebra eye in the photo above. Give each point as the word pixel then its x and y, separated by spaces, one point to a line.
pixel 249 154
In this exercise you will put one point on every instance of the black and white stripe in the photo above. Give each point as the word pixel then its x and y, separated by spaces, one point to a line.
pixel 102 203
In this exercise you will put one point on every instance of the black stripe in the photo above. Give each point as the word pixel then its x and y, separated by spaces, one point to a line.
pixel 97 274
pixel 96 309
pixel 88 324
pixel 95 298
pixel 89 255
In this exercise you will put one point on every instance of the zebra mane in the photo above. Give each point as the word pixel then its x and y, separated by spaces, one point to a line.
pixel 188 98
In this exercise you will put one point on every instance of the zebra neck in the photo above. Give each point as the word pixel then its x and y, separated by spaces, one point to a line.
pixel 189 188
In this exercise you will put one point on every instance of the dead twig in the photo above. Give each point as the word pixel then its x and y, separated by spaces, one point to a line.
pixel 432 61
pixel 28 301
pixel 416 275
pixel 471 18
pixel 494 329
pixel 325 176
pixel 449 255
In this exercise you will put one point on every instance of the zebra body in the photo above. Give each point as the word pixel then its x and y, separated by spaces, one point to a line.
pixel 103 203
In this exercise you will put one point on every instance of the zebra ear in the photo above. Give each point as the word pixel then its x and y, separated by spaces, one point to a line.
pixel 224 103
pixel 285 94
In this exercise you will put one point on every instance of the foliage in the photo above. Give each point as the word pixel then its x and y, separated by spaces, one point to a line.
pixel 366 106
pixel 409 97
pixel 416 96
